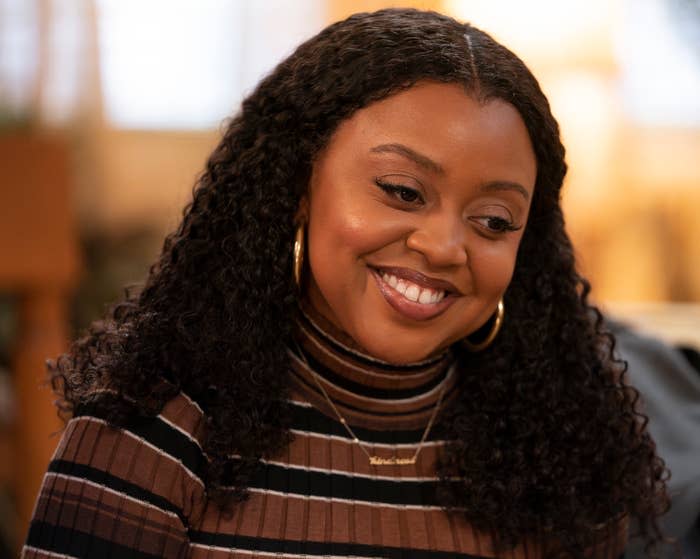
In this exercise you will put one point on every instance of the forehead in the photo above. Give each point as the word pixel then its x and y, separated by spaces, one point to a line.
pixel 447 125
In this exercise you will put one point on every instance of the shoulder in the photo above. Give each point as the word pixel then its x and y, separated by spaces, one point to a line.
pixel 132 490
pixel 157 461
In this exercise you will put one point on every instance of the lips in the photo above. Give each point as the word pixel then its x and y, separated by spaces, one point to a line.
pixel 414 295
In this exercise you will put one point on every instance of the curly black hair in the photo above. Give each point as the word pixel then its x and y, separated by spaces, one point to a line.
pixel 547 434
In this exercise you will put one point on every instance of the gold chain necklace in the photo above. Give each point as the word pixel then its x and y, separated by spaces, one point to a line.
pixel 375 460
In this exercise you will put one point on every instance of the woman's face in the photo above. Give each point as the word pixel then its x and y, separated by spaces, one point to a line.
pixel 415 211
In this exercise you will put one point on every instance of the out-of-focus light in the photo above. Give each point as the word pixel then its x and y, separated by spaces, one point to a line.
pixel 19 57
pixel 68 72
pixel 536 27
pixel 179 64
pixel 169 63
pixel 660 71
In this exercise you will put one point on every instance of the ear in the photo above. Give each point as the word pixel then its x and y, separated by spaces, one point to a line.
pixel 302 213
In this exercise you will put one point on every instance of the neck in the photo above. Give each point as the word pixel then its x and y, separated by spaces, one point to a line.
pixel 367 391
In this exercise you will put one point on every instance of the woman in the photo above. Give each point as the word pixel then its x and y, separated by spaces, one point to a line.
pixel 366 338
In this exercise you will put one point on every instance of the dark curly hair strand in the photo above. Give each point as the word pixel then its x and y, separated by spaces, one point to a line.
pixel 546 435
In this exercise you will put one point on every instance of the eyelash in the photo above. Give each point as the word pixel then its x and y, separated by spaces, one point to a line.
pixel 501 225
pixel 396 191
pixel 496 224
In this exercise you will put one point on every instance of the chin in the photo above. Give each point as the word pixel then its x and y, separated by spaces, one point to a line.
pixel 397 354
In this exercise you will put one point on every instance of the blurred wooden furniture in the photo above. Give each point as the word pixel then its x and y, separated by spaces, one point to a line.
pixel 39 264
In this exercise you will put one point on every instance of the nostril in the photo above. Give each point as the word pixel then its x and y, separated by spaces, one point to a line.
pixel 439 250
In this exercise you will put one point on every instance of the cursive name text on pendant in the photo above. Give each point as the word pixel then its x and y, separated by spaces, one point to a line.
pixel 393 461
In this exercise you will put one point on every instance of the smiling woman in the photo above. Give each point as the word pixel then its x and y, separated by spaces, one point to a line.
pixel 367 337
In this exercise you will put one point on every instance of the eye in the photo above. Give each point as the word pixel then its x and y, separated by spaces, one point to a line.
pixel 400 192
pixel 495 224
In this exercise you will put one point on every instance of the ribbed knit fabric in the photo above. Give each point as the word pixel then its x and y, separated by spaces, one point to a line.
pixel 137 493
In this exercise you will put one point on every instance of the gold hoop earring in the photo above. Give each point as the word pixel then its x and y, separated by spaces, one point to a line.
pixel 486 342
pixel 298 253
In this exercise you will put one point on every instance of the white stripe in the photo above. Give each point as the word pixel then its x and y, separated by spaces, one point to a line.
pixel 142 441
pixel 300 404
pixel 191 401
pixel 349 441
pixel 357 368
pixel 363 355
pixel 257 553
pixel 348 474
pixel 346 501
pixel 181 430
pixel 398 401
pixel 115 492
pixel 51 554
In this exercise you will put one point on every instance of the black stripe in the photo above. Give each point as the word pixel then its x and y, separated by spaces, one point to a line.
pixel 165 437
pixel 310 419
pixel 369 391
pixel 100 477
pixel 369 363
pixel 57 539
pixel 396 415
pixel 171 441
pixel 320 549
pixel 299 481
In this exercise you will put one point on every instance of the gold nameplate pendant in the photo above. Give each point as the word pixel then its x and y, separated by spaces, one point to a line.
pixel 393 461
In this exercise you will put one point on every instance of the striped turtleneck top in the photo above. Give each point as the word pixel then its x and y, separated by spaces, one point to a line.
pixel 137 492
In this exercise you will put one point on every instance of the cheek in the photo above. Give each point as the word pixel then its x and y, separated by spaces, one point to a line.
pixel 336 242
pixel 349 227
pixel 493 266
pixel 337 235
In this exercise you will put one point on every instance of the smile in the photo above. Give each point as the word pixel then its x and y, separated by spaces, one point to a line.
pixel 409 298
pixel 412 291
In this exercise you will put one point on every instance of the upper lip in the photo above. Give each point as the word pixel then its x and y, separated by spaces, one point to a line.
pixel 419 279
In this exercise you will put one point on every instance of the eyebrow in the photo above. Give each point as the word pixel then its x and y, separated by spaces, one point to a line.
pixel 496 186
pixel 408 153
pixel 430 165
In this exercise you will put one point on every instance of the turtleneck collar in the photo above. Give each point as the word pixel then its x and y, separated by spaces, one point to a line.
pixel 367 391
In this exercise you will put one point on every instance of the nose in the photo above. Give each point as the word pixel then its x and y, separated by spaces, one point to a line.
pixel 441 240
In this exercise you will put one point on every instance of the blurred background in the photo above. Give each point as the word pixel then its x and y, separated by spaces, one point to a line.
pixel 109 108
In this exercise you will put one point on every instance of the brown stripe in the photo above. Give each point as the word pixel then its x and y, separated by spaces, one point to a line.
pixel 323 328
pixel 307 391
pixel 76 490
pixel 332 521
pixel 182 412
pixel 74 504
pixel 342 395
pixel 114 451
pixel 346 456
pixel 365 374
pixel 200 552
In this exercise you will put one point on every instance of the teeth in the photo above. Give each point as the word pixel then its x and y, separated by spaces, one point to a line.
pixel 425 297
pixel 413 292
